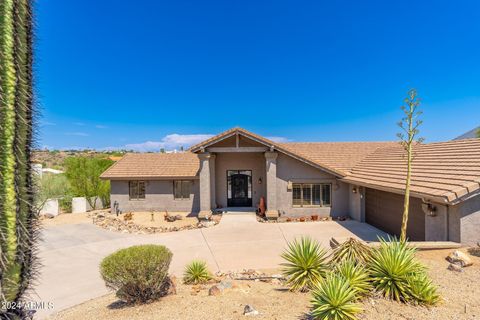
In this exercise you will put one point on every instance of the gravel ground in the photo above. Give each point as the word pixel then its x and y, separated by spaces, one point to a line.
pixel 68 218
pixel 460 293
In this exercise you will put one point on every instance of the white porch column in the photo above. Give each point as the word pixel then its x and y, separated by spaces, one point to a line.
pixel 205 185
pixel 271 168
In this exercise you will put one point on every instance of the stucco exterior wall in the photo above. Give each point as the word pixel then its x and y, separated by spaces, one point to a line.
pixel 290 169
pixel 158 197
pixel 464 221
pixel 436 227
pixel 239 161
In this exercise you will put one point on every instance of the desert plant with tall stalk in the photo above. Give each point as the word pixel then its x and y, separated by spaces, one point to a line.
pixel 408 138
pixel 18 219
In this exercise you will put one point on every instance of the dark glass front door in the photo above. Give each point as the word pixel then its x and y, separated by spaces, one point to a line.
pixel 239 191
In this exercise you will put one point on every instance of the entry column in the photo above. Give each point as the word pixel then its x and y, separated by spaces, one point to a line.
pixel 205 185
pixel 271 168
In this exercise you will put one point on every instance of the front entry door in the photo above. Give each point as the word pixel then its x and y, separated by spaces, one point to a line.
pixel 239 191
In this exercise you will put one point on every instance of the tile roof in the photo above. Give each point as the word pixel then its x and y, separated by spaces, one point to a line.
pixel 341 156
pixel 443 170
pixel 154 165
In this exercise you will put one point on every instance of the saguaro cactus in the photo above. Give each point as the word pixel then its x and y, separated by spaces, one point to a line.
pixel 18 219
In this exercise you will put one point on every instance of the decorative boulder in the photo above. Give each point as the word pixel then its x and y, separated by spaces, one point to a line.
pixel 459 258
pixel 455 267
pixel 249 311
pixel 214 291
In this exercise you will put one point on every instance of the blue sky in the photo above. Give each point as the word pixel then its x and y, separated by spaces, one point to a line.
pixel 146 74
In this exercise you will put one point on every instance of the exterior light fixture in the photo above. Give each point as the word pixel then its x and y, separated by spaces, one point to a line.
pixel 259 180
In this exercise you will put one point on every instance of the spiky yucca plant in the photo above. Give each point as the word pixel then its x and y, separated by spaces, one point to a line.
pixel 423 290
pixel 306 264
pixel 391 267
pixel 357 276
pixel 18 219
pixel 353 250
pixel 196 272
pixel 334 299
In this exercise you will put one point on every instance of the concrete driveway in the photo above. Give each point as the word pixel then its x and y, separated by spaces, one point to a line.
pixel 71 254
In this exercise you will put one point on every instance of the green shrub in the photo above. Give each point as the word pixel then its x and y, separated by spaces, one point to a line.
pixel 196 272
pixel 352 249
pixel 138 273
pixel 423 290
pixel 306 264
pixel 334 299
pixel 357 275
pixel 391 267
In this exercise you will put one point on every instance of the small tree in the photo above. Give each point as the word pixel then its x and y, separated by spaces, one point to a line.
pixel 408 138
pixel 478 133
pixel 83 173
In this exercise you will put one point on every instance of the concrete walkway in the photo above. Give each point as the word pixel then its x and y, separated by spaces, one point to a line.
pixel 71 254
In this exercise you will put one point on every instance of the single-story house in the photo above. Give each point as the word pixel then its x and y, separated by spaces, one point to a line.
pixel 363 180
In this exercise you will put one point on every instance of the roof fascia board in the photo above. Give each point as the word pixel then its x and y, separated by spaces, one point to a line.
pixel 437 199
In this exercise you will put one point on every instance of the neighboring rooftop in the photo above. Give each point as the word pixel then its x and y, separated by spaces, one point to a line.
pixel 442 170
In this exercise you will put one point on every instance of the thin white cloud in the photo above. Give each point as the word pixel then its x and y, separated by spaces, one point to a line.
pixel 278 139
pixel 79 124
pixel 78 134
pixel 169 142
pixel 100 126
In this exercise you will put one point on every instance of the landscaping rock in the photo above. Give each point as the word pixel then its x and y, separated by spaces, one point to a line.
pixel 207 224
pixel 114 223
pixel 249 311
pixel 170 218
pixel 455 267
pixel 459 258
pixel 171 285
pixel 214 291
pixel 49 215
pixel 225 285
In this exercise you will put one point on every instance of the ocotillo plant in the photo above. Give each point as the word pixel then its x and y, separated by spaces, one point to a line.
pixel 18 219
pixel 408 138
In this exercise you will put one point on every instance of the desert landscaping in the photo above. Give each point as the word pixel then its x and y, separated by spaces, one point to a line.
pixel 272 299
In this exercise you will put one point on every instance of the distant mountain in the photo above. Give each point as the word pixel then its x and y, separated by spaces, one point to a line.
pixel 468 135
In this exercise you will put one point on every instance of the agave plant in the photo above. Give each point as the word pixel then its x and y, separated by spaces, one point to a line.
pixel 352 249
pixel 391 267
pixel 423 290
pixel 306 264
pixel 357 276
pixel 196 272
pixel 18 219
pixel 334 299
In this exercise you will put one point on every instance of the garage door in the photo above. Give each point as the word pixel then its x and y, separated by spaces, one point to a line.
pixel 384 210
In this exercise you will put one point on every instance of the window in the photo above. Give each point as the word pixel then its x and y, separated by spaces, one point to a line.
pixel 136 190
pixel 311 195
pixel 181 189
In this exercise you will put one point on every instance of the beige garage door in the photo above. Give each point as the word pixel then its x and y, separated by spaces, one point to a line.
pixel 384 210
